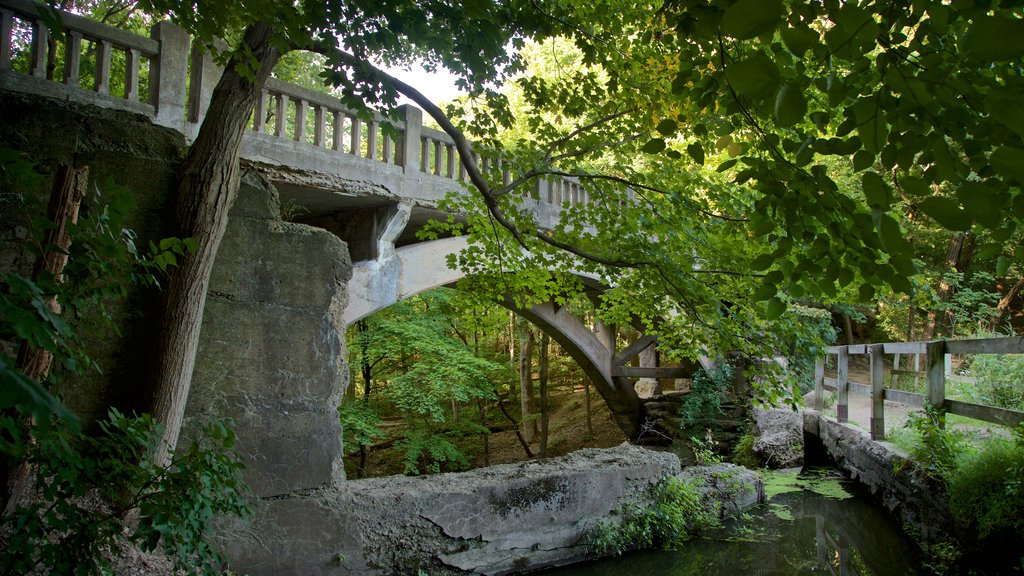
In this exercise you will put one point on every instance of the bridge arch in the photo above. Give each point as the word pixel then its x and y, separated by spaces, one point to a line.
pixel 400 273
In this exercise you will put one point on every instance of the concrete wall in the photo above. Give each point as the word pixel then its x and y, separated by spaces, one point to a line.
pixel 500 520
pixel 271 350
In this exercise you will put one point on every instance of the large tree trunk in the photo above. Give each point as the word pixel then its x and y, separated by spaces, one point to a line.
pixel 958 257
pixel 206 191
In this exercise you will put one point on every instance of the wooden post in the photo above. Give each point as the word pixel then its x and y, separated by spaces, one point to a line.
pixel 843 383
pixel 935 373
pixel 877 392
pixel 819 383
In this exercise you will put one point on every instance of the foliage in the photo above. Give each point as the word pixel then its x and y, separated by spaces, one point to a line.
pixel 704 452
pixel 986 489
pixel 704 402
pixel 420 352
pixel 999 378
pixel 87 485
pixel 935 449
pixel 743 452
pixel 360 424
pixel 676 514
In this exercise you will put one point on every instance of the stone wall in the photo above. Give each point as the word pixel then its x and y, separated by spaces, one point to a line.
pixel 504 519
pixel 886 471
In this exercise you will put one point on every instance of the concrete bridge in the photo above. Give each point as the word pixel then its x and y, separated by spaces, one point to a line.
pixel 282 294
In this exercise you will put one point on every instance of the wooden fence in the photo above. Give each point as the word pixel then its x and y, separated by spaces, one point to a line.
pixel 935 374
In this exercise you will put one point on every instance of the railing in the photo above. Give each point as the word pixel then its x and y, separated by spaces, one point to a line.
pixel 175 89
pixel 935 373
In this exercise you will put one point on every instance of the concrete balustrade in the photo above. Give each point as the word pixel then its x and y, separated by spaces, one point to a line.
pixel 304 124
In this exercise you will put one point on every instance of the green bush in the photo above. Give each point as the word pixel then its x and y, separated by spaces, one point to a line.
pixel 677 514
pixel 704 402
pixel 1000 380
pixel 87 487
pixel 986 489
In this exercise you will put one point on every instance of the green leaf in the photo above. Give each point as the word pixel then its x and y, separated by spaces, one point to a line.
pixel 799 40
pixel 667 127
pixel 1002 265
pixel 751 18
pixel 653 146
pixel 876 192
pixel 866 292
pixel 762 262
pixel 995 39
pixel 901 284
pixel 1005 104
pixel 947 213
pixel 853 32
pixel 696 151
pixel 756 77
pixel 790 105
pixel 914 186
pixel 1009 163
pixel 765 291
pixel 862 159
pixel 776 308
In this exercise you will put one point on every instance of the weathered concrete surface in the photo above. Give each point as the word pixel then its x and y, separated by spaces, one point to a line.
pixel 499 520
pixel 887 472
pixel 123 151
pixel 728 487
pixel 271 350
pixel 779 437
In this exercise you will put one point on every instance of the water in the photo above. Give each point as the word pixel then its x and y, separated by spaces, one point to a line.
pixel 813 523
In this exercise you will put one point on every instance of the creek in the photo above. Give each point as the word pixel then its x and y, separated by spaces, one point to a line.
pixel 814 522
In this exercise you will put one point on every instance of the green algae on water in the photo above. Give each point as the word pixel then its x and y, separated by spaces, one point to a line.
pixel 778 482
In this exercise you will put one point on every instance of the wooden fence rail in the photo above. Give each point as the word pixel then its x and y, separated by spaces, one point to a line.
pixel 936 373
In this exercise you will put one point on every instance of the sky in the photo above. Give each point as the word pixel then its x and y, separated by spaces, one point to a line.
pixel 438 86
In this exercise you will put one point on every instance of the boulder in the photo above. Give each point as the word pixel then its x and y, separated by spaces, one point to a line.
pixel 779 437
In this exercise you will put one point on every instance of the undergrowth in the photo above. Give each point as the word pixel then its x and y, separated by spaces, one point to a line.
pixel 676 515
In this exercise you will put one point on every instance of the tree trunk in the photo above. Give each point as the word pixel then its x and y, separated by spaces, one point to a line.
pixel 586 402
pixel 206 190
pixel 69 188
pixel 542 384
pixel 1004 306
pixel 526 384
pixel 848 329
pixel 958 257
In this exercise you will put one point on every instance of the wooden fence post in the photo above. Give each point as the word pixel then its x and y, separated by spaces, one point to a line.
pixel 819 383
pixel 877 392
pixel 843 384
pixel 935 373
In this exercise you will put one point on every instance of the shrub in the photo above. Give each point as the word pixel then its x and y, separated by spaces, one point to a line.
pixel 677 513
pixel 986 489
pixel 87 487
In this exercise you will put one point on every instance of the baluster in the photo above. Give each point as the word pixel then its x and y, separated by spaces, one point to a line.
pixel 72 58
pixel 280 122
pixel 103 48
pixel 462 169
pixel 506 174
pixel 450 150
pixel 371 140
pixel 300 120
pixel 356 136
pixel 339 127
pixel 424 154
pixel 319 126
pixel 39 47
pixel 438 154
pixel 260 112
pixel 549 196
pixel 131 79
pixel 387 159
pixel 6 31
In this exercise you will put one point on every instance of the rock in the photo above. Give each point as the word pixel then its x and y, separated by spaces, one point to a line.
pixel 728 487
pixel 647 387
pixel 779 439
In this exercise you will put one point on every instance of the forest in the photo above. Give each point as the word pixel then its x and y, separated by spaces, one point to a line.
pixel 769 177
